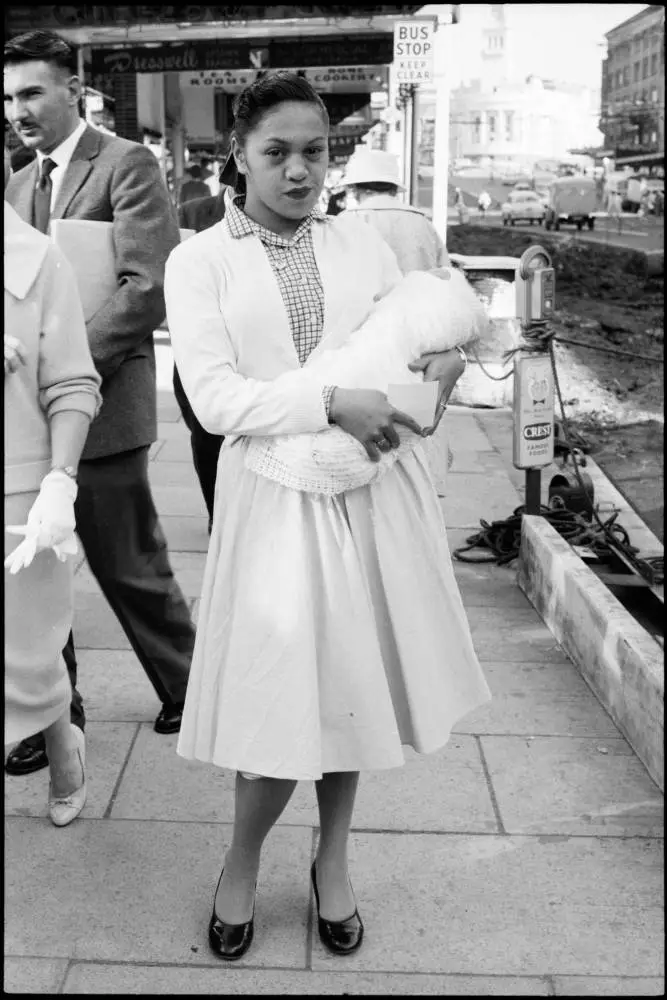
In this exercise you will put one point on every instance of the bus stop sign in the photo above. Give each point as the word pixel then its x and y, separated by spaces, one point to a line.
pixel 413 50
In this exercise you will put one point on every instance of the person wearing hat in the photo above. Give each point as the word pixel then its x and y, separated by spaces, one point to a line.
pixel 372 179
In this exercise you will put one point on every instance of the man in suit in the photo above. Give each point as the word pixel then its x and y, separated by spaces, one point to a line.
pixel 200 214
pixel 81 173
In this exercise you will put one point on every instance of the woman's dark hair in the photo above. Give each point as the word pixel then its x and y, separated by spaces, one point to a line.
pixel 41 46
pixel 262 96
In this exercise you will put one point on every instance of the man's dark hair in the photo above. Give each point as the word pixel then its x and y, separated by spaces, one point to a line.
pixel 377 187
pixel 41 46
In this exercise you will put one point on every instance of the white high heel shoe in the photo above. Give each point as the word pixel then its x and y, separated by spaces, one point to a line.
pixel 63 811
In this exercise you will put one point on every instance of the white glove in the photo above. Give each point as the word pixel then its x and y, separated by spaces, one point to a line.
pixel 50 523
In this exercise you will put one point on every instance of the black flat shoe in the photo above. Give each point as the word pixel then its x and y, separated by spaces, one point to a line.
pixel 169 720
pixel 229 941
pixel 27 756
pixel 340 936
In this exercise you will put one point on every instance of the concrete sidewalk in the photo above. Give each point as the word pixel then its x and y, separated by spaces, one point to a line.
pixel 525 859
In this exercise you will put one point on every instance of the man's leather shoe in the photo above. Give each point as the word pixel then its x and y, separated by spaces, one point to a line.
pixel 27 756
pixel 169 719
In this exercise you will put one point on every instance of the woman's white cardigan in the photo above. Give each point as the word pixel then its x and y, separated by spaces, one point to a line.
pixel 371 334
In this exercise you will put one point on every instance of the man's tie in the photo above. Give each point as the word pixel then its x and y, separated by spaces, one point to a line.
pixel 42 197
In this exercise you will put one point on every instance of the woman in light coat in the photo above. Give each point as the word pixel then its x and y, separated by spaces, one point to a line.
pixel 331 630
pixel 51 394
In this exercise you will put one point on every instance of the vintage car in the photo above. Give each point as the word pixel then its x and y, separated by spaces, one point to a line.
pixel 522 206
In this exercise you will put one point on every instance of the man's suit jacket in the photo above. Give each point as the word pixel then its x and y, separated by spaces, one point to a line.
pixel 110 179
pixel 202 213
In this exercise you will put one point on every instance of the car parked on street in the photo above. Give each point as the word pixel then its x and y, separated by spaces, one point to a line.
pixel 523 206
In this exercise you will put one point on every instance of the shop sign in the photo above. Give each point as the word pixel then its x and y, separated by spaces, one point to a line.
pixel 22 18
pixel 325 79
pixel 325 51
pixel 413 50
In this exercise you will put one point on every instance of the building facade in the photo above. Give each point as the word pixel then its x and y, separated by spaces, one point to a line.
pixel 500 119
pixel 632 97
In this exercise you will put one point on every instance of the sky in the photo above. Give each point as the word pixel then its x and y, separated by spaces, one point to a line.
pixel 557 41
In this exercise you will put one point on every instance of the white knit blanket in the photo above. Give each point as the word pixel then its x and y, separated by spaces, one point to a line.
pixel 425 311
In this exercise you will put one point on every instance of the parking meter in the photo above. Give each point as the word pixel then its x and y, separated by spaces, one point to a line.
pixel 533 443
pixel 535 287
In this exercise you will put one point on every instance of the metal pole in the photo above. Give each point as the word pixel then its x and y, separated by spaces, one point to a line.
pixel 407 152
pixel 533 491
pixel 441 146
pixel 414 144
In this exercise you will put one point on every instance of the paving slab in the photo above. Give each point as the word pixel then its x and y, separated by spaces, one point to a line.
pixel 189 568
pixel 443 791
pixel 604 986
pixel 506 905
pixel 132 890
pixel 172 474
pixel 175 450
pixel 33 975
pixel 95 624
pixel 180 500
pixel 107 747
pixel 538 699
pixel 97 978
pixel 560 785
pixel 471 497
pixel 186 534
pixel 512 634
pixel 172 431
pixel 488 585
pixel 114 687
pixel 464 431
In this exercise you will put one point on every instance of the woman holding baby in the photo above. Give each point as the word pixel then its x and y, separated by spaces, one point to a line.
pixel 331 630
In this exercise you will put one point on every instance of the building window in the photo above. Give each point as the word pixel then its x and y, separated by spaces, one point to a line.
pixel 492 127
pixel 654 137
pixel 626 76
pixel 644 67
pixel 637 43
pixel 654 64
pixel 645 40
pixel 509 126
pixel 619 78
pixel 636 72
pixel 477 129
pixel 654 95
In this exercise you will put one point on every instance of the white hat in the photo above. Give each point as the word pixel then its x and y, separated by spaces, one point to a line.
pixel 372 166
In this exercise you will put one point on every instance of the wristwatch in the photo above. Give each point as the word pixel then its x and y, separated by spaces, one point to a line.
pixel 69 470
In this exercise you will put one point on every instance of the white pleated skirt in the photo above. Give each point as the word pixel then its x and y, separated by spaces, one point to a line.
pixel 331 630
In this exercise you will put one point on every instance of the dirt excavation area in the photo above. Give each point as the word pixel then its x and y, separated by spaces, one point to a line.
pixel 605 298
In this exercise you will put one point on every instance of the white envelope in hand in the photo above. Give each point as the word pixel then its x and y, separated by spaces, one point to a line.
pixel 418 400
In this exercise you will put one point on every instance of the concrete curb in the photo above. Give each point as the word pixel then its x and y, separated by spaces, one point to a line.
pixel 619 660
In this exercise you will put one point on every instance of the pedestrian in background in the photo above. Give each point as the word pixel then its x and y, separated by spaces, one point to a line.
pixel 82 173
pixel 372 179
pixel 51 394
pixel 331 630
pixel 460 206
pixel 194 186
pixel 200 214
pixel 484 203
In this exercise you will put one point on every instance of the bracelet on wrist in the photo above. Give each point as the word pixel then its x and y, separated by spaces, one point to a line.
pixel 464 357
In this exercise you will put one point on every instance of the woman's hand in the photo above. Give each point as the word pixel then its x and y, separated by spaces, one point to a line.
pixel 14 354
pixel 368 416
pixel 446 367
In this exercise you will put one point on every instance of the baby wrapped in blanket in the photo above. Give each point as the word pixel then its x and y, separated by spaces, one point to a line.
pixel 424 312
